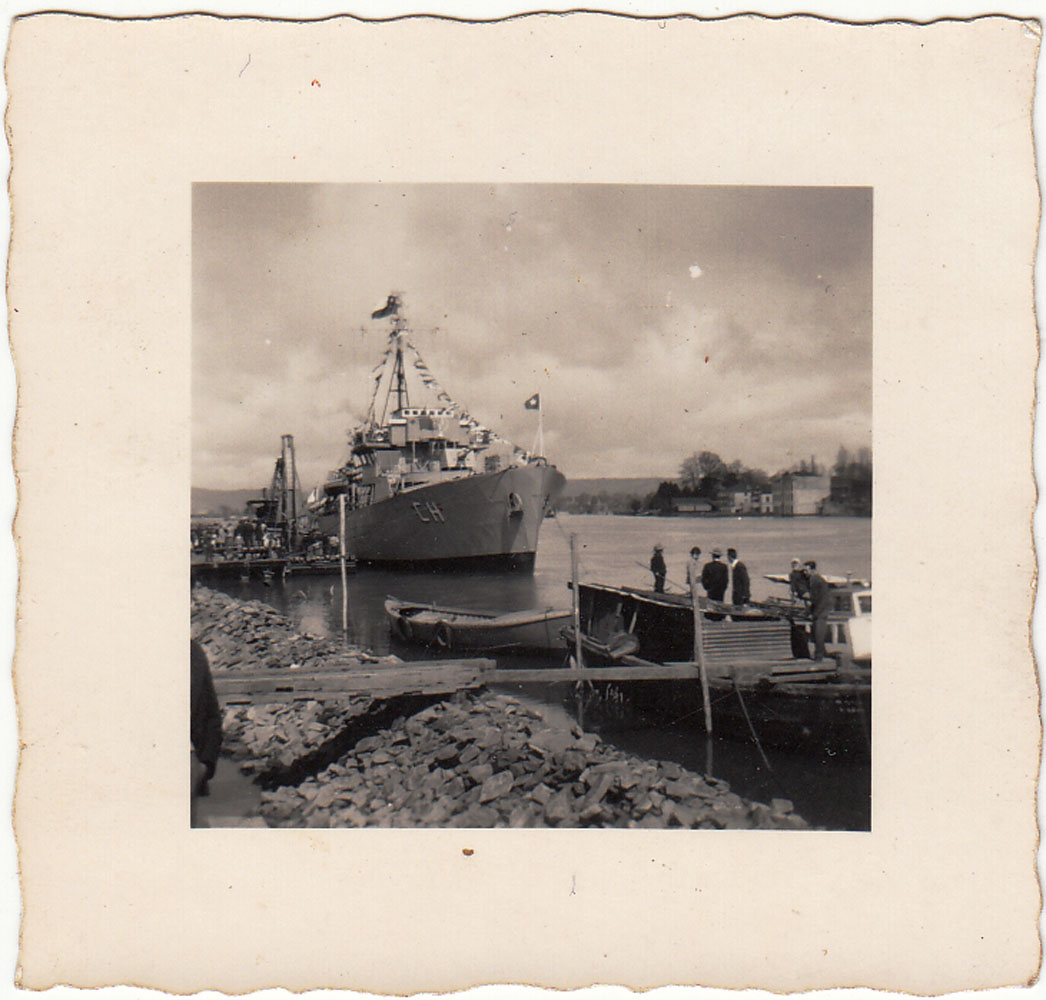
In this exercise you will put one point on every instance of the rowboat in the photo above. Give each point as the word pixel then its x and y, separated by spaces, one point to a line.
pixel 531 630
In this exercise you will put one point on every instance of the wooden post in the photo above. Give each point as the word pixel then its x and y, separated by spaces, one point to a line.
pixel 576 601
pixel 341 553
pixel 699 645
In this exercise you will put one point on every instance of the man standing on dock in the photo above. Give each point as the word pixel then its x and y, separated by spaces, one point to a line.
pixel 715 577
pixel 797 580
pixel 741 593
pixel 820 603
pixel 693 568
pixel 658 568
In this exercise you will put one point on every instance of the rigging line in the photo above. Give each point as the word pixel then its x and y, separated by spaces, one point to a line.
pixel 748 719
pixel 669 581
pixel 581 563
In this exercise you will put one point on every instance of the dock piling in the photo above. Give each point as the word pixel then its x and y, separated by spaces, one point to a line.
pixel 341 557
pixel 699 647
pixel 575 602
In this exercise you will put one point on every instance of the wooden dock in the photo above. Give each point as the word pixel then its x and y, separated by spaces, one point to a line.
pixel 224 566
pixel 237 687
pixel 553 675
pixel 341 678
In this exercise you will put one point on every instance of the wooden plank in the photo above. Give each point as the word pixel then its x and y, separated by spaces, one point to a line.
pixel 417 666
pixel 550 675
pixel 423 678
pixel 744 667
pixel 351 685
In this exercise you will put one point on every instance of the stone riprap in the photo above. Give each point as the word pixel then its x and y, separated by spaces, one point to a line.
pixel 471 760
pixel 488 760
pixel 269 738
pixel 249 635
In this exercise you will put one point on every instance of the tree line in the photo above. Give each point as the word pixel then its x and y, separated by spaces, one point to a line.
pixel 705 475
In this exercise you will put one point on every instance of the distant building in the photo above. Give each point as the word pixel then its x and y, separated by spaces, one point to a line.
pixel 851 491
pixel 745 502
pixel 799 493
pixel 741 502
pixel 692 505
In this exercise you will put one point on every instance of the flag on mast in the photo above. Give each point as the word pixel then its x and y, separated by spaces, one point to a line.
pixel 534 403
pixel 391 308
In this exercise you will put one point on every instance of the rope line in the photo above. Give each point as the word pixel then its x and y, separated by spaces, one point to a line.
pixel 751 728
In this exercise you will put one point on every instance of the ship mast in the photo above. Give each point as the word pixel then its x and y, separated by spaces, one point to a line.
pixel 398 374
pixel 398 378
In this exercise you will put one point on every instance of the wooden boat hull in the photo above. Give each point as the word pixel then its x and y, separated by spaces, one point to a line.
pixel 828 718
pixel 757 687
pixel 456 629
pixel 664 623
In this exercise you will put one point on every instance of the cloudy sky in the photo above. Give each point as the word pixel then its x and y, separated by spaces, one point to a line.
pixel 655 321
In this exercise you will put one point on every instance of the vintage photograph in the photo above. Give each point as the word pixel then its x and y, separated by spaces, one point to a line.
pixel 531 506
pixel 516 384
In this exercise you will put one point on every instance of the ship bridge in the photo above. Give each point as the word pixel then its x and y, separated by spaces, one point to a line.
pixel 428 425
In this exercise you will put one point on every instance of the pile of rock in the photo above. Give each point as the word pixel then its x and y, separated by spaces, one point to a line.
pixel 248 635
pixel 273 737
pixel 490 761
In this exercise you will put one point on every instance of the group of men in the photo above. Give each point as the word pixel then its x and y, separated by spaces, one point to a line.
pixel 715 576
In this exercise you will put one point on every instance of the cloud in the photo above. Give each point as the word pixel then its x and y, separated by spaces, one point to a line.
pixel 571 290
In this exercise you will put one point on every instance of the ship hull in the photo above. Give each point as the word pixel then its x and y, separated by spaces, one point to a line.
pixel 485 521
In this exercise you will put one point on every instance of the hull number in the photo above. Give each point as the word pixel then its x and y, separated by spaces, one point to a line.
pixel 428 512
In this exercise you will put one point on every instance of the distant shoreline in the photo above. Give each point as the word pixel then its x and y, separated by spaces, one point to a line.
pixel 206 501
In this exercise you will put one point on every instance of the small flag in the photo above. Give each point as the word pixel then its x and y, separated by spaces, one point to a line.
pixel 534 403
pixel 389 309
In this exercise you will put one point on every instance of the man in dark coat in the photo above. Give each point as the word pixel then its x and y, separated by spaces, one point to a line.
pixel 658 568
pixel 715 576
pixel 742 589
pixel 205 720
pixel 820 605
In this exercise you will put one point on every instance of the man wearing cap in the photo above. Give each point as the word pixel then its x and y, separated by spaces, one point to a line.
pixel 797 580
pixel 658 568
pixel 797 586
pixel 820 603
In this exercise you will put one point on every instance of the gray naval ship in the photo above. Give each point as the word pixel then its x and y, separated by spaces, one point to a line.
pixel 428 485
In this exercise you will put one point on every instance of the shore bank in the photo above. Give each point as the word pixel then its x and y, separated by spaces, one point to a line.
pixel 473 759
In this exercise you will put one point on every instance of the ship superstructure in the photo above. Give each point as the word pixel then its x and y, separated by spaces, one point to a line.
pixel 427 483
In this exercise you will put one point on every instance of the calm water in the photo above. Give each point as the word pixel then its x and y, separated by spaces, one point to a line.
pixel 616 550
pixel 611 549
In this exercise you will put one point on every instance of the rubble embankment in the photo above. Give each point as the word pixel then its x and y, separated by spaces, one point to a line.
pixel 249 635
pixel 489 760
pixel 480 759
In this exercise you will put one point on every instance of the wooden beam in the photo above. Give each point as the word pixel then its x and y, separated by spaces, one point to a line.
pixel 550 675
pixel 442 676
